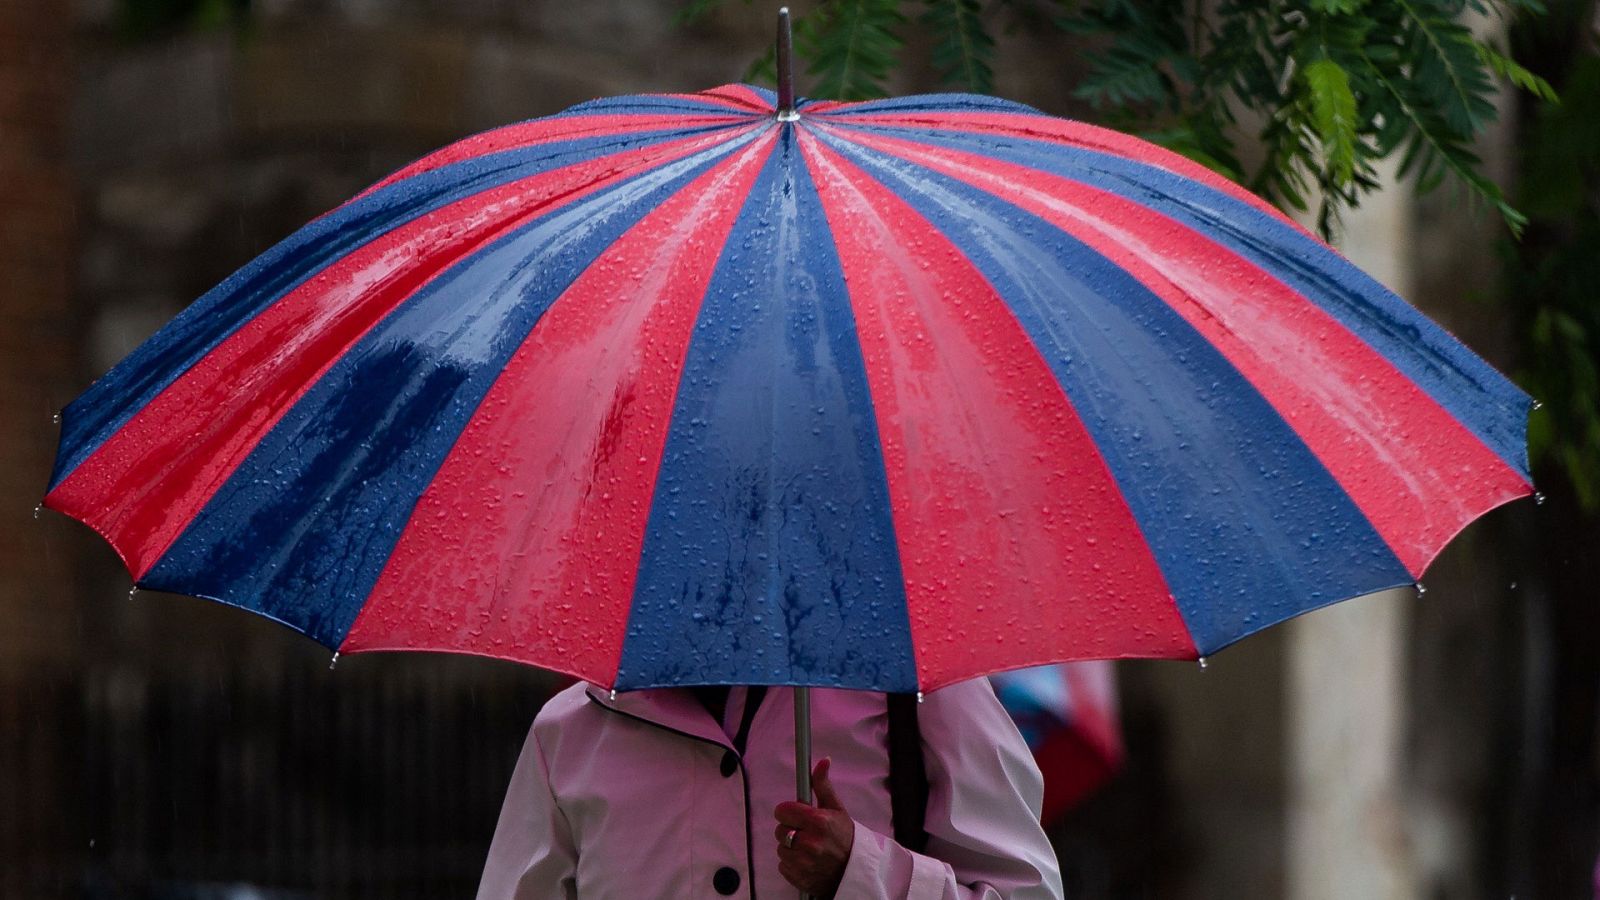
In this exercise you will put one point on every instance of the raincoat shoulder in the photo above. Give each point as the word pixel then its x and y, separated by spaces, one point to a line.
pixel 984 797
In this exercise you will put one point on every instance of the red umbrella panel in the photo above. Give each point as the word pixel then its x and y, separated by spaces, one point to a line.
pixel 671 390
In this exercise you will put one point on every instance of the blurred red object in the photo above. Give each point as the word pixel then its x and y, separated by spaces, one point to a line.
pixel 1068 715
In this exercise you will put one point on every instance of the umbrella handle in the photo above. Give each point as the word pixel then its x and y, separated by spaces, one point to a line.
pixel 802 748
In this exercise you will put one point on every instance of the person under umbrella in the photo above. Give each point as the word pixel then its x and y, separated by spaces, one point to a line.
pixel 682 390
pixel 682 793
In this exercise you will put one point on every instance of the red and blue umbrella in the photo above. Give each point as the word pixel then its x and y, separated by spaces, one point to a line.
pixel 675 390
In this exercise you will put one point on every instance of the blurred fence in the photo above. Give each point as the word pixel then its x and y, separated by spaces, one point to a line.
pixel 380 779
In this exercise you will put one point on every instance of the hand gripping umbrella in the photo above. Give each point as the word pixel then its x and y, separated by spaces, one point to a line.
pixel 729 388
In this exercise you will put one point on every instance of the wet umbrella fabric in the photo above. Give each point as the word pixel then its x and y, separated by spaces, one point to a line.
pixel 664 390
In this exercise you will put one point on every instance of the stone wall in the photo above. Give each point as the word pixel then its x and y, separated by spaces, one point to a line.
pixel 38 348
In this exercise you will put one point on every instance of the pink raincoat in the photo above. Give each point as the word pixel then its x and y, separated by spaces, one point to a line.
pixel 643 796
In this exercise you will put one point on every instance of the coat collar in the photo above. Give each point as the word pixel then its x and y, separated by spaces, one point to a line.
pixel 670 708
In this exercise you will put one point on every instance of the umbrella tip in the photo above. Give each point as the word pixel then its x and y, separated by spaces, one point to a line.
pixel 334 661
pixel 785 66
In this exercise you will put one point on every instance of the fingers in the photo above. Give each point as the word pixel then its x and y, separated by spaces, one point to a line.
pixel 802 865
pixel 800 816
pixel 791 873
pixel 813 842
pixel 827 798
pixel 813 846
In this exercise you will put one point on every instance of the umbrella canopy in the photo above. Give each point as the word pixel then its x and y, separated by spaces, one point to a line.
pixel 673 390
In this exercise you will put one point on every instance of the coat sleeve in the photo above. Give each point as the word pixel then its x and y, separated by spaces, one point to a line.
pixel 984 796
pixel 532 855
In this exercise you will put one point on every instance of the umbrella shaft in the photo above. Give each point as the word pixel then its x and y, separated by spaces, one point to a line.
pixel 802 748
pixel 802 743
pixel 785 66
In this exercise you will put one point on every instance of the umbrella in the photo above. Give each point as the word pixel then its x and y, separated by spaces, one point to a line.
pixel 728 388
pixel 1068 715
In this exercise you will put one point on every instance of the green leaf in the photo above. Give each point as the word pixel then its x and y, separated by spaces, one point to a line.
pixel 1569 327
pixel 1561 152
pixel 1445 65
pixel 764 70
pixel 145 19
pixel 1128 73
pixel 1435 149
pixel 1338 7
pixel 962 46
pixel 852 46
pixel 213 13
pixel 1514 72
pixel 694 11
pixel 1584 474
pixel 1333 110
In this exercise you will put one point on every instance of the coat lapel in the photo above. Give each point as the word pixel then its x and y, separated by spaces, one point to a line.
pixel 673 709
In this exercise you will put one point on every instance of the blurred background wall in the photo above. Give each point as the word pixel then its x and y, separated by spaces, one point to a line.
pixel 156 746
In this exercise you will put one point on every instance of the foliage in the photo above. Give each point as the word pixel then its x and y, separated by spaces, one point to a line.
pixel 142 19
pixel 1554 272
pixel 852 45
pixel 962 45
pixel 1326 88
